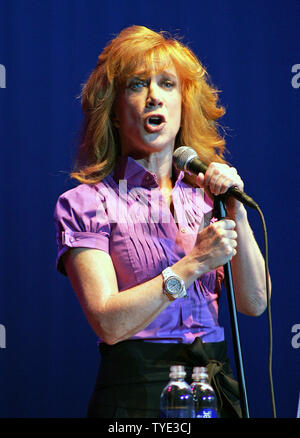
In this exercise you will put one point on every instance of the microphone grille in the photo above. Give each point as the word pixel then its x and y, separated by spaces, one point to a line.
pixel 182 156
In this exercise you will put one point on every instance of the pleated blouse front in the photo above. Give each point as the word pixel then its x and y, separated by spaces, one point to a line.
pixel 126 216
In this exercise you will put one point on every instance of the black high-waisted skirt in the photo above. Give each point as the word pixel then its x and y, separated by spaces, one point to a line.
pixel 132 375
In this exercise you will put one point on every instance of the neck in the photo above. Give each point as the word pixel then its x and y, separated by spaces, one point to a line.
pixel 159 163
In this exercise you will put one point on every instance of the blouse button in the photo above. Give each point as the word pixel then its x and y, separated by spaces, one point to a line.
pixel 149 181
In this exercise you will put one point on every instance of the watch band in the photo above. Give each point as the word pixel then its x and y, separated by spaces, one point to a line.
pixel 174 286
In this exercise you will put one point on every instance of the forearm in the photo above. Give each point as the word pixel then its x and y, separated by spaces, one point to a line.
pixel 248 270
pixel 126 313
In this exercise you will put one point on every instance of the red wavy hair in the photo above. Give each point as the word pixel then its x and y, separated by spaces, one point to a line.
pixel 134 48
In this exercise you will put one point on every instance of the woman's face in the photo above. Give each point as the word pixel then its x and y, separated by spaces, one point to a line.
pixel 147 112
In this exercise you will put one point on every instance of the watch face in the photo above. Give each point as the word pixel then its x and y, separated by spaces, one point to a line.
pixel 173 285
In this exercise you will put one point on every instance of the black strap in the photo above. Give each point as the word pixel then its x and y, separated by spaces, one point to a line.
pixel 219 373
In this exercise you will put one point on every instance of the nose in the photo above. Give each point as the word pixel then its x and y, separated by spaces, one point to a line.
pixel 153 98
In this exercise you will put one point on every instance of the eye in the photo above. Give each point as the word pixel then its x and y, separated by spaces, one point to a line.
pixel 168 83
pixel 137 84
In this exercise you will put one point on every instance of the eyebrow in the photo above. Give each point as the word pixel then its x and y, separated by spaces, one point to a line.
pixel 145 74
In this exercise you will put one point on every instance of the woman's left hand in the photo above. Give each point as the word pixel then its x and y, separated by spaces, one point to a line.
pixel 217 180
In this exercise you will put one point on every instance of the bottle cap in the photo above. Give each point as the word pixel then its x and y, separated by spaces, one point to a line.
pixel 199 373
pixel 177 371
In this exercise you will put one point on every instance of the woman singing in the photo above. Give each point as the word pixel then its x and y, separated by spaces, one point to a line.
pixel 137 237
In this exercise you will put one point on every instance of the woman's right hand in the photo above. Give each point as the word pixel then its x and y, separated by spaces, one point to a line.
pixel 215 245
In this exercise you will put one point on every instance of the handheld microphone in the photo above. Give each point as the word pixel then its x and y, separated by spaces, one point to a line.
pixel 185 158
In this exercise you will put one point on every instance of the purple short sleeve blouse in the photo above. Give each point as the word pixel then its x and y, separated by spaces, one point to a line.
pixel 126 216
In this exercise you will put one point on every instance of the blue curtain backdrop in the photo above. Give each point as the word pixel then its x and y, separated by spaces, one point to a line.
pixel 48 354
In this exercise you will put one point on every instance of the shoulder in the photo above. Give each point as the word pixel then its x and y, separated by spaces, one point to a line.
pixel 84 196
pixel 84 207
pixel 82 191
pixel 81 220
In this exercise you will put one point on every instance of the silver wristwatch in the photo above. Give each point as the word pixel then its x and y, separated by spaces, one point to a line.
pixel 174 286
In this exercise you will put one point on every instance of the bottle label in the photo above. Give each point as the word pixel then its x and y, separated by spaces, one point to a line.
pixel 207 413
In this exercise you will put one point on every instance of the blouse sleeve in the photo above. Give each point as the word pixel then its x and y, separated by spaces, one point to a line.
pixel 80 220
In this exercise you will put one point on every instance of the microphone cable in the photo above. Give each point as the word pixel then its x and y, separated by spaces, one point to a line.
pixel 268 309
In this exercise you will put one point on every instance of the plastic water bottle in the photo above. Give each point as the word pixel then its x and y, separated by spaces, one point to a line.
pixel 176 400
pixel 206 403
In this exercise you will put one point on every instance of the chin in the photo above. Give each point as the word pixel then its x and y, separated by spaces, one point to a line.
pixel 148 145
pixel 158 145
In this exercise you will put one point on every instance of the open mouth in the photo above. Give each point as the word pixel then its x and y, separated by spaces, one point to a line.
pixel 154 123
pixel 155 120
